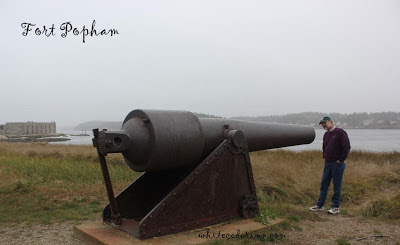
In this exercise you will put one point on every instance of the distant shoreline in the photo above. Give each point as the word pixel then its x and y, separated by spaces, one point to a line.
pixel 34 138
pixel 362 128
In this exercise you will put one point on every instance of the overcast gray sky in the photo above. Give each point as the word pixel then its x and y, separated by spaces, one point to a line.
pixel 229 58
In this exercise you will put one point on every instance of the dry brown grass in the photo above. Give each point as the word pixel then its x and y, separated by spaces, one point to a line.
pixel 47 183
pixel 74 152
pixel 44 182
pixel 293 178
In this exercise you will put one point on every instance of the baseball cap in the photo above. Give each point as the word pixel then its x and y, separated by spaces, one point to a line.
pixel 324 119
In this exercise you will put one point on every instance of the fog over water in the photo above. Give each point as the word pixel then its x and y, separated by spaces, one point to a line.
pixel 227 58
pixel 360 139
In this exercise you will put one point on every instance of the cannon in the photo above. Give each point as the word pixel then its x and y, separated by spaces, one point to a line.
pixel 197 171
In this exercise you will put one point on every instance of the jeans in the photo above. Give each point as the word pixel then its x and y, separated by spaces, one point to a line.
pixel 332 170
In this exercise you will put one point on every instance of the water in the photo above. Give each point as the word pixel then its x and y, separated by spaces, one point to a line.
pixel 75 140
pixel 360 139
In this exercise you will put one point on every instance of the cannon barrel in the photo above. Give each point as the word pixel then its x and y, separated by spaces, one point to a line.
pixel 197 170
pixel 152 140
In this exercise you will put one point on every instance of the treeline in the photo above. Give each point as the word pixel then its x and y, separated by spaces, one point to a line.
pixel 378 120
pixel 202 115
pixel 87 126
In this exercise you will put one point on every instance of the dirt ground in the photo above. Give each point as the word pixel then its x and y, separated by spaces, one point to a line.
pixel 333 227
pixel 62 233
pixel 326 231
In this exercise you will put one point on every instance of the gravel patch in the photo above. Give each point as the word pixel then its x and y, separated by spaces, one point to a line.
pixel 61 233
pixel 324 231
pixel 333 227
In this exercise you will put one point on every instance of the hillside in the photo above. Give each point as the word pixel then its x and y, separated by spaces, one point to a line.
pixel 98 124
pixel 117 125
pixel 374 120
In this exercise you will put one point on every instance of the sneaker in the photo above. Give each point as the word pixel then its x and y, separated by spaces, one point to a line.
pixel 316 208
pixel 334 211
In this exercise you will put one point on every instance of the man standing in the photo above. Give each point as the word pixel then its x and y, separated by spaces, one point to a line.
pixel 335 147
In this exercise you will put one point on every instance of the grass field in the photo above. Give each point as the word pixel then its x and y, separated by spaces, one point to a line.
pixel 51 183
pixel 43 183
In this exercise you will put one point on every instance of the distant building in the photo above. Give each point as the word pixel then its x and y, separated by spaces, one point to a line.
pixel 28 128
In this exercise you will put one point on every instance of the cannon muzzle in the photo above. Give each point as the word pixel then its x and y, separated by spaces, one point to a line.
pixel 152 140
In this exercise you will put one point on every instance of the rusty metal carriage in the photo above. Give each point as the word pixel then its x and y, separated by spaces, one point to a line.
pixel 197 171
